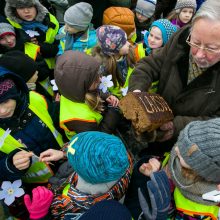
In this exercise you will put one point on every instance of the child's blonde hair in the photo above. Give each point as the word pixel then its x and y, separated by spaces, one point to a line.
pixel 111 63
pixel 94 102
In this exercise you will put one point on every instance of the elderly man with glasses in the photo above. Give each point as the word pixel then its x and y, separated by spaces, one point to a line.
pixel 188 70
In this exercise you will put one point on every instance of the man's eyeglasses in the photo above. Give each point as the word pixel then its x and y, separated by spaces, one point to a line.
pixel 206 49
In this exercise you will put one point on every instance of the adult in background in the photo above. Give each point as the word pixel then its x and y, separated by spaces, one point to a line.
pixel 188 72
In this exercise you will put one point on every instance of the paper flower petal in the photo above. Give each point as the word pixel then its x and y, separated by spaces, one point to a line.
pixel 6 185
pixel 19 192
pixel 16 184
pixel 9 199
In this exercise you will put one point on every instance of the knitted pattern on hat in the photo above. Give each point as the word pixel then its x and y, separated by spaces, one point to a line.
pixel 199 145
pixel 186 4
pixel 6 29
pixel 146 7
pixel 166 27
pixel 8 90
pixel 79 16
pixel 111 39
pixel 121 17
pixel 98 157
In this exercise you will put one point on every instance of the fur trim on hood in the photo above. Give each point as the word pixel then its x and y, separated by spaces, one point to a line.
pixel 11 5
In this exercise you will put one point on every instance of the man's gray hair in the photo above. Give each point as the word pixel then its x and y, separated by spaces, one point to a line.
pixel 210 9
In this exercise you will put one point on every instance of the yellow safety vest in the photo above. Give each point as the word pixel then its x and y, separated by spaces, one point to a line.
pixel 70 111
pixel 39 171
pixel 117 90
pixel 191 208
pixel 139 51
pixel 50 36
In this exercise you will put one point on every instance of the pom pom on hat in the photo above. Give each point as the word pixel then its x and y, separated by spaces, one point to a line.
pixel 6 29
pixel 186 4
pixel 111 39
pixel 98 157
pixel 146 7
pixel 121 17
pixel 199 145
pixel 79 16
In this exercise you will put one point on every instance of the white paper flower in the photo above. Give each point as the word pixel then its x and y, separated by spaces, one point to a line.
pixel 55 88
pixel 32 33
pixel 124 91
pixel 10 191
pixel 106 83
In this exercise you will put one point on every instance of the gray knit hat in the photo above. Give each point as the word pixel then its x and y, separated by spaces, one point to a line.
pixel 6 29
pixel 79 16
pixel 186 4
pixel 146 7
pixel 199 145
pixel 11 5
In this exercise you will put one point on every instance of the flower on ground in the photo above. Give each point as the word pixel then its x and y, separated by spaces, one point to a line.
pixel 10 191
pixel 106 82
pixel 124 91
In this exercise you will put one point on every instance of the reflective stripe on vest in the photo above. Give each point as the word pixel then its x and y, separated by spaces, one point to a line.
pixel 39 172
pixel 47 86
pixel 189 207
pixel 70 111
pixel 37 100
pixel 139 51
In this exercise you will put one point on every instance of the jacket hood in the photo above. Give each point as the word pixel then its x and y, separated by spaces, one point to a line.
pixel 74 74
pixel 20 83
pixel 11 5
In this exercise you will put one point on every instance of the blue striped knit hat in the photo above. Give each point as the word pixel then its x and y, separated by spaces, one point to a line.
pixel 98 157
pixel 146 7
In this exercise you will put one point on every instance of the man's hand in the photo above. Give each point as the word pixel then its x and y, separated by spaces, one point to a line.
pixel 21 160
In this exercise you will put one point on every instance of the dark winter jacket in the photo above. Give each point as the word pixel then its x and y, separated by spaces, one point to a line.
pixel 199 100
pixel 26 126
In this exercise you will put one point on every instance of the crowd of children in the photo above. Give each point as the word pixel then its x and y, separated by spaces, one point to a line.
pixel 60 138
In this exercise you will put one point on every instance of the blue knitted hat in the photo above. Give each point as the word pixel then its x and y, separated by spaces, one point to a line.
pixel 98 157
pixel 166 27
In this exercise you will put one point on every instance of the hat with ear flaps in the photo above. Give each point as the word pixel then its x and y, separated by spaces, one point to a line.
pixel 12 5
pixel 74 74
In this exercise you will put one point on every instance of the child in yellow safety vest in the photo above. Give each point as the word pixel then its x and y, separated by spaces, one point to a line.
pixel 117 58
pixel 27 121
pixel 193 169
pixel 77 76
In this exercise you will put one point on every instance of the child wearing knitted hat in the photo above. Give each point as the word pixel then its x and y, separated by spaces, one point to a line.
pixel 78 32
pixel 193 169
pixel 183 12
pixel 117 58
pixel 102 169
pixel 144 16
pixel 16 43
pixel 36 22
pixel 159 33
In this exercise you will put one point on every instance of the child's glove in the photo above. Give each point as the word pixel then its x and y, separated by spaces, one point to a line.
pixel 159 193
pixel 40 204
